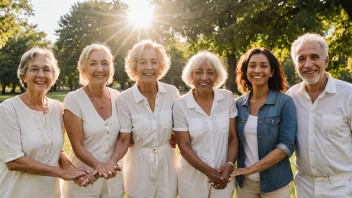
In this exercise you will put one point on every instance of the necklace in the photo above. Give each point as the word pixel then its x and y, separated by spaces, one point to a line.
pixel 41 120
pixel 94 99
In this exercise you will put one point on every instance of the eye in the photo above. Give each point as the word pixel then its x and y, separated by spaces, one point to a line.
pixel 47 69
pixel 33 69
pixel 252 66
pixel 92 63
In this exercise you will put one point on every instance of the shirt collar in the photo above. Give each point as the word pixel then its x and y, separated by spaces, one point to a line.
pixel 137 95
pixel 330 86
pixel 191 102
pixel 269 100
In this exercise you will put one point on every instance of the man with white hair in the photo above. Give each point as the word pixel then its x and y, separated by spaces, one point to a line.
pixel 324 121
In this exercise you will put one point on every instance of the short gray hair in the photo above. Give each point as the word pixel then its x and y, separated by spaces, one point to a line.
pixel 82 62
pixel 197 60
pixel 135 53
pixel 310 37
pixel 29 55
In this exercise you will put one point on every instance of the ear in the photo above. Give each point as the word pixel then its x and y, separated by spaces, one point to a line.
pixel 326 62
pixel 272 73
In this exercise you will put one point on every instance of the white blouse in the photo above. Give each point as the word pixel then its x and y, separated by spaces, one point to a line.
pixel 100 137
pixel 30 133
pixel 150 129
pixel 209 134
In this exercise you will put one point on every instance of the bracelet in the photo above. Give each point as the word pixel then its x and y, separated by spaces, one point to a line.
pixel 231 164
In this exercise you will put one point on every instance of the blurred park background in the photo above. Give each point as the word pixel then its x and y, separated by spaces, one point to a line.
pixel 226 27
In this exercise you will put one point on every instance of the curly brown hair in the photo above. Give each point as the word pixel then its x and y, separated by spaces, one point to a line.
pixel 276 82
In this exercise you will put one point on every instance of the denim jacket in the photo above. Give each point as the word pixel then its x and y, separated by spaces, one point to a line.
pixel 276 129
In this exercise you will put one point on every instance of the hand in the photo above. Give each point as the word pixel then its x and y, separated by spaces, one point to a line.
pixel 85 180
pixel 73 173
pixel 107 170
pixel 131 142
pixel 172 141
pixel 226 171
pixel 241 171
pixel 216 180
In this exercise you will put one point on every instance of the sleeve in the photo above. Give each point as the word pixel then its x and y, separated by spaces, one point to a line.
pixel 349 109
pixel 10 133
pixel 71 103
pixel 124 115
pixel 233 109
pixel 179 118
pixel 287 128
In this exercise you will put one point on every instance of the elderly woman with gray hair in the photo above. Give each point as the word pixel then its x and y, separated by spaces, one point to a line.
pixel 93 127
pixel 31 156
pixel 145 113
pixel 205 130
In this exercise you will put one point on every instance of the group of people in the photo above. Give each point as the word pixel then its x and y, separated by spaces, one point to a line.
pixel 124 142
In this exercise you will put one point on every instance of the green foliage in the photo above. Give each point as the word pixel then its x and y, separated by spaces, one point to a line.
pixel 13 15
pixel 87 23
pixel 12 52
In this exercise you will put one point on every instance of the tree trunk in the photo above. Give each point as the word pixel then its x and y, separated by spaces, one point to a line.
pixel 13 88
pixel 230 83
pixel 3 89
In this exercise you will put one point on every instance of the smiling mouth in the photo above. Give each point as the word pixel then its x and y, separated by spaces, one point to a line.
pixel 148 74
pixel 257 76
pixel 309 72
pixel 40 83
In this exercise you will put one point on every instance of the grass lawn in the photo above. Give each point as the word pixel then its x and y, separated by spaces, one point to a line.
pixel 59 95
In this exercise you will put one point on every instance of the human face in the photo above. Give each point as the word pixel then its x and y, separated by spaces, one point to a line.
pixel 259 70
pixel 310 63
pixel 148 66
pixel 98 67
pixel 39 74
pixel 204 77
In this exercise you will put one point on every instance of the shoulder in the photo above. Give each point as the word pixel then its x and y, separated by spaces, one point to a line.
pixel 182 99
pixel 241 99
pixel 343 86
pixel 169 88
pixel 9 103
pixel 113 92
pixel 225 92
pixel 294 89
pixel 74 94
pixel 127 94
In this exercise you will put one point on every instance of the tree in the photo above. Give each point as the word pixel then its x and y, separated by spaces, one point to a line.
pixel 92 22
pixel 13 15
pixel 232 27
pixel 11 53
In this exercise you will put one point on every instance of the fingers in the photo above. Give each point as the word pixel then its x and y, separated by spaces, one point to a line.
pixel 106 170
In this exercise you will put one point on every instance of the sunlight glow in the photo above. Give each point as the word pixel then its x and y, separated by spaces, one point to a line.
pixel 140 15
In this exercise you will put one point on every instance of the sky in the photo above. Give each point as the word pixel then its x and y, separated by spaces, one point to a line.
pixel 47 14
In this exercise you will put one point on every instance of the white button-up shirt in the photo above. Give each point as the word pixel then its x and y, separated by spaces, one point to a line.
pixel 324 137
pixel 209 134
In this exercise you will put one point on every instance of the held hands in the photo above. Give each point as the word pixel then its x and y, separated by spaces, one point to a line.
pixel 107 170
pixel 241 171
pixel 73 173
pixel 217 180
pixel 224 171
pixel 85 180
pixel 172 141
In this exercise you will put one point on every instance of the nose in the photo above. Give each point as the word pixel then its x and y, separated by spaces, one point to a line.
pixel 308 63
pixel 100 67
pixel 257 68
pixel 204 76
pixel 41 72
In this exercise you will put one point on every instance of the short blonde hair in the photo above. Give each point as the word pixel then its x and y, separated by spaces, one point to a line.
pixel 29 55
pixel 197 60
pixel 82 62
pixel 310 37
pixel 135 53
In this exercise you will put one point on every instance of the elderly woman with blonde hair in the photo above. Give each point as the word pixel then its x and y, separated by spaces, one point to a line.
pixel 205 130
pixel 31 156
pixel 93 127
pixel 145 113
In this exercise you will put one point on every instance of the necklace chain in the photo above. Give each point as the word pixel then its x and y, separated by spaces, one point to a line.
pixel 94 99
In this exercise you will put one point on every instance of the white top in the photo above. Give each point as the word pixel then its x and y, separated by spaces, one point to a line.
pixel 150 129
pixel 251 145
pixel 22 134
pixel 100 137
pixel 209 134
pixel 324 138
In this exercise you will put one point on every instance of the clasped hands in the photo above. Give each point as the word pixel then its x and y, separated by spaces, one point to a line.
pixel 224 174
pixel 106 170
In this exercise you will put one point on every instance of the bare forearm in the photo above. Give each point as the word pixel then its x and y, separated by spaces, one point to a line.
pixel 64 162
pixel 30 166
pixel 85 156
pixel 120 150
pixel 268 161
pixel 232 152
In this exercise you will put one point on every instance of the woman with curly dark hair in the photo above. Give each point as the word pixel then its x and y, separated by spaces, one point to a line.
pixel 266 126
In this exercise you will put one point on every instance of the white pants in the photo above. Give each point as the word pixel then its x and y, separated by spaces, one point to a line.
pixel 251 189
pixel 323 187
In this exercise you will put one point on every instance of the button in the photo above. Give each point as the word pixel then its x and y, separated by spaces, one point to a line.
pixel 260 137
pixel 272 121
pixel 106 124
pixel 242 121
pixel 108 132
pixel 260 122
pixel 147 104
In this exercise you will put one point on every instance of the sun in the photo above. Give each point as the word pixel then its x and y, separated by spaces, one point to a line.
pixel 140 15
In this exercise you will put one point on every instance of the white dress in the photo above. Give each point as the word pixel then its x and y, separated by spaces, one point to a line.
pixel 209 140
pixel 99 138
pixel 23 132
pixel 150 164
